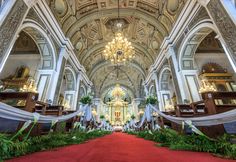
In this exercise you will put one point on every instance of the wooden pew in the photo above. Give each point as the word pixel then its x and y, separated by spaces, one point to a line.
pixel 28 99
pixel 205 107
pixel 22 100
pixel 164 122
pixel 210 99
pixel 191 110
pixel 70 122
pixel 45 109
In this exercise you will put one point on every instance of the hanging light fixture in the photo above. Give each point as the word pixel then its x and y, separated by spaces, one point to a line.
pixel 119 49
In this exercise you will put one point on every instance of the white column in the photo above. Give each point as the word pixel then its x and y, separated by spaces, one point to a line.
pixel 43 79
pixel 13 32
pixel 135 104
pixel 191 82
pixel 53 85
pixel 77 91
pixel 171 53
pixel 89 89
pixel 6 9
pixel 145 89
pixel 100 109
pixel 229 56
pixel 165 95
pixel 157 90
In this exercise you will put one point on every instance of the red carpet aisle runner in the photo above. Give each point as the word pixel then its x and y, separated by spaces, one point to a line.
pixel 118 147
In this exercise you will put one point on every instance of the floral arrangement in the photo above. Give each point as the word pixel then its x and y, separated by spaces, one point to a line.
pixel 132 117
pixel 86 99
pixel 102 117
pixel 151 100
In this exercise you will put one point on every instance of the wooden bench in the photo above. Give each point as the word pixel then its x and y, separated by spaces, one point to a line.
pixel 45 109
pixel 210 99
pixel 22 100
pixel 70 122
pixel 206 107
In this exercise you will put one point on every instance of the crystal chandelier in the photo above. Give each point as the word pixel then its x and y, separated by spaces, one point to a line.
pixel 119 49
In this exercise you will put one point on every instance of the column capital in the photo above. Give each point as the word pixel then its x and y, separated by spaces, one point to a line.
pixel 64 53
pixel 169 51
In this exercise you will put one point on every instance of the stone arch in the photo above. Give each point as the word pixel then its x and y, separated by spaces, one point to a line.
pixel 48 56
pixel 164 77
pixel 166 88
pixel 187 59
pixel 82 90
pixel 152 90
pixel 70 78
pixel 110 86
pixel 191 42
pixel 44 43
pixel 68 88
pixel 47 62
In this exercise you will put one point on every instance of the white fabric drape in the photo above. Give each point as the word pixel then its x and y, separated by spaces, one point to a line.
pixel 216 119
pixel 12 113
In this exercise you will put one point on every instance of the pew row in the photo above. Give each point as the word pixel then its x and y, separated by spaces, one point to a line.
pixel 211 103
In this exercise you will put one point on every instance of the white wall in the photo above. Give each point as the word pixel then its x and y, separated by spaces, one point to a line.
pixel 219 58
pixel 15 61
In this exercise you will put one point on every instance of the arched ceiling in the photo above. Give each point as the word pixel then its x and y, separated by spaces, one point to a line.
pixel 89 24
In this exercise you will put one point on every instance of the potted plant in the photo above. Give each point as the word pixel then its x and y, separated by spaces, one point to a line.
pixel 132 117
pixel 151 100
pixel 86 100
pixel 102 117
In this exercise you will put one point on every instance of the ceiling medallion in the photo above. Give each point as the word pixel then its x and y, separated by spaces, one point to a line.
pixel 119 50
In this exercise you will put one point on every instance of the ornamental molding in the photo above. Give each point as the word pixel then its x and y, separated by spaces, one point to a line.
pixel 225 25
pixel 10 26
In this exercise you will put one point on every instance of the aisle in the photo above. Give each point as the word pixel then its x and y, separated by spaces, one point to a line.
pixel 118 147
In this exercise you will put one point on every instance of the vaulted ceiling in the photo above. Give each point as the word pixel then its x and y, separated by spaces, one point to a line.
pixel 89 24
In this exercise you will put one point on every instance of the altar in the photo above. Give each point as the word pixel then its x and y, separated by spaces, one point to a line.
pixel 118 112
pixel 117 107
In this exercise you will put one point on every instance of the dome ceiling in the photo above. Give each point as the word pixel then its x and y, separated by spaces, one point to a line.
pixel 89 24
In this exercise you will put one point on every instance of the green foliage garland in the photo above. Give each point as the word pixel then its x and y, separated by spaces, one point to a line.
pixel 175 141
pixel 10 149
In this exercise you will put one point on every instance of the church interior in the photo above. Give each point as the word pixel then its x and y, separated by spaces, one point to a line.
pixel 160 70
